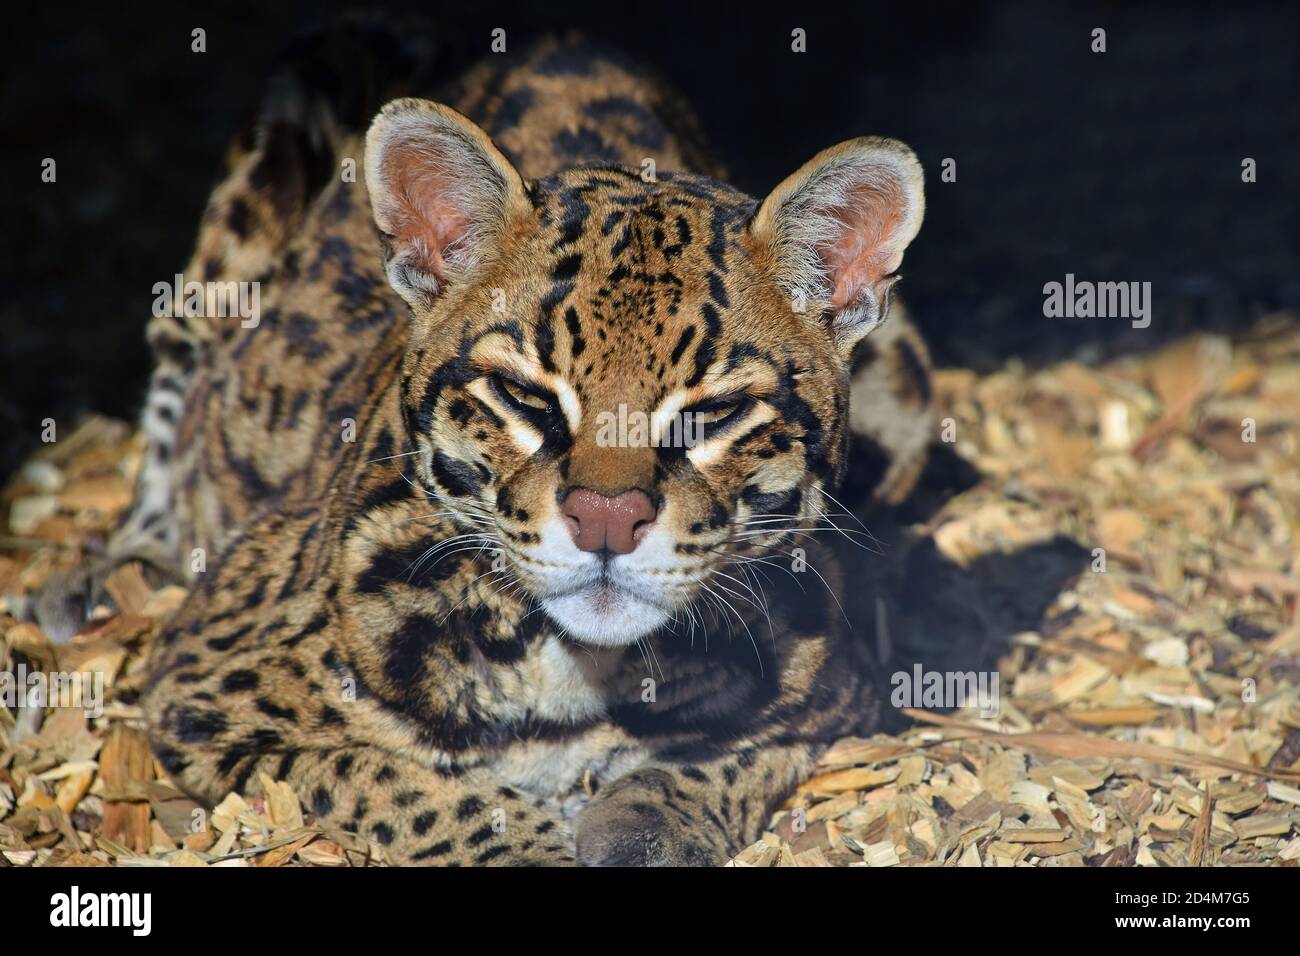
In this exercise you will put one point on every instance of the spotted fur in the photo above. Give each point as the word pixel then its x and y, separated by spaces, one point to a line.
pixel 400 625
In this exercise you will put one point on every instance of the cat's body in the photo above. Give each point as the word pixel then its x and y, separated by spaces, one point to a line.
pixel 424 591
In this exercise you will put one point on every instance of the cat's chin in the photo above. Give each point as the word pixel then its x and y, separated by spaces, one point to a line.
pixel 605 615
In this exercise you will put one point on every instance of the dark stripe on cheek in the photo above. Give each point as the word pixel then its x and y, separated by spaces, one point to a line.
pixel 458 477
pixel 767 502
pixel 457 371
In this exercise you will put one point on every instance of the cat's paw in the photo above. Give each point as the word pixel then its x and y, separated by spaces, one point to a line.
pixel 632 823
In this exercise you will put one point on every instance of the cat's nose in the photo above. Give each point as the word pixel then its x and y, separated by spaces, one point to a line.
pixel 601 523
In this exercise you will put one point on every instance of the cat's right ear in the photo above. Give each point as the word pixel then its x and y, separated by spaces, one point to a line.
pixel 442 194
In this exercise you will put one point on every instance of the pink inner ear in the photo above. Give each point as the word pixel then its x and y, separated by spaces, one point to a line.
pixel 865 250
pixel 426 217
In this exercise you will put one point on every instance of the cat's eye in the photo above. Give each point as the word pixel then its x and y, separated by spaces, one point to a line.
pixel 717 413
pixel 524 396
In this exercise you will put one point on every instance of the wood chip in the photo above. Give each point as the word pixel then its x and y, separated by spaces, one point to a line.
pixel 855 779
pixel 1035 835
pixel 124 761
pixel 128 588
pixel 1264 824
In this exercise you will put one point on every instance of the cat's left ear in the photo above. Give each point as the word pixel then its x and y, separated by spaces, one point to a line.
pixel 833 234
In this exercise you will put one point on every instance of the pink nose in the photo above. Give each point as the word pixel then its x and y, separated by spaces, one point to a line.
pixel 601 523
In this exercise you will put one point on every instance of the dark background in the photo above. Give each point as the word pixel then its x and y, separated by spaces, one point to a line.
pixel 1123 166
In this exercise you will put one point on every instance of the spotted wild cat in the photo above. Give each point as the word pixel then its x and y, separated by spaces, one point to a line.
pixel 433 601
